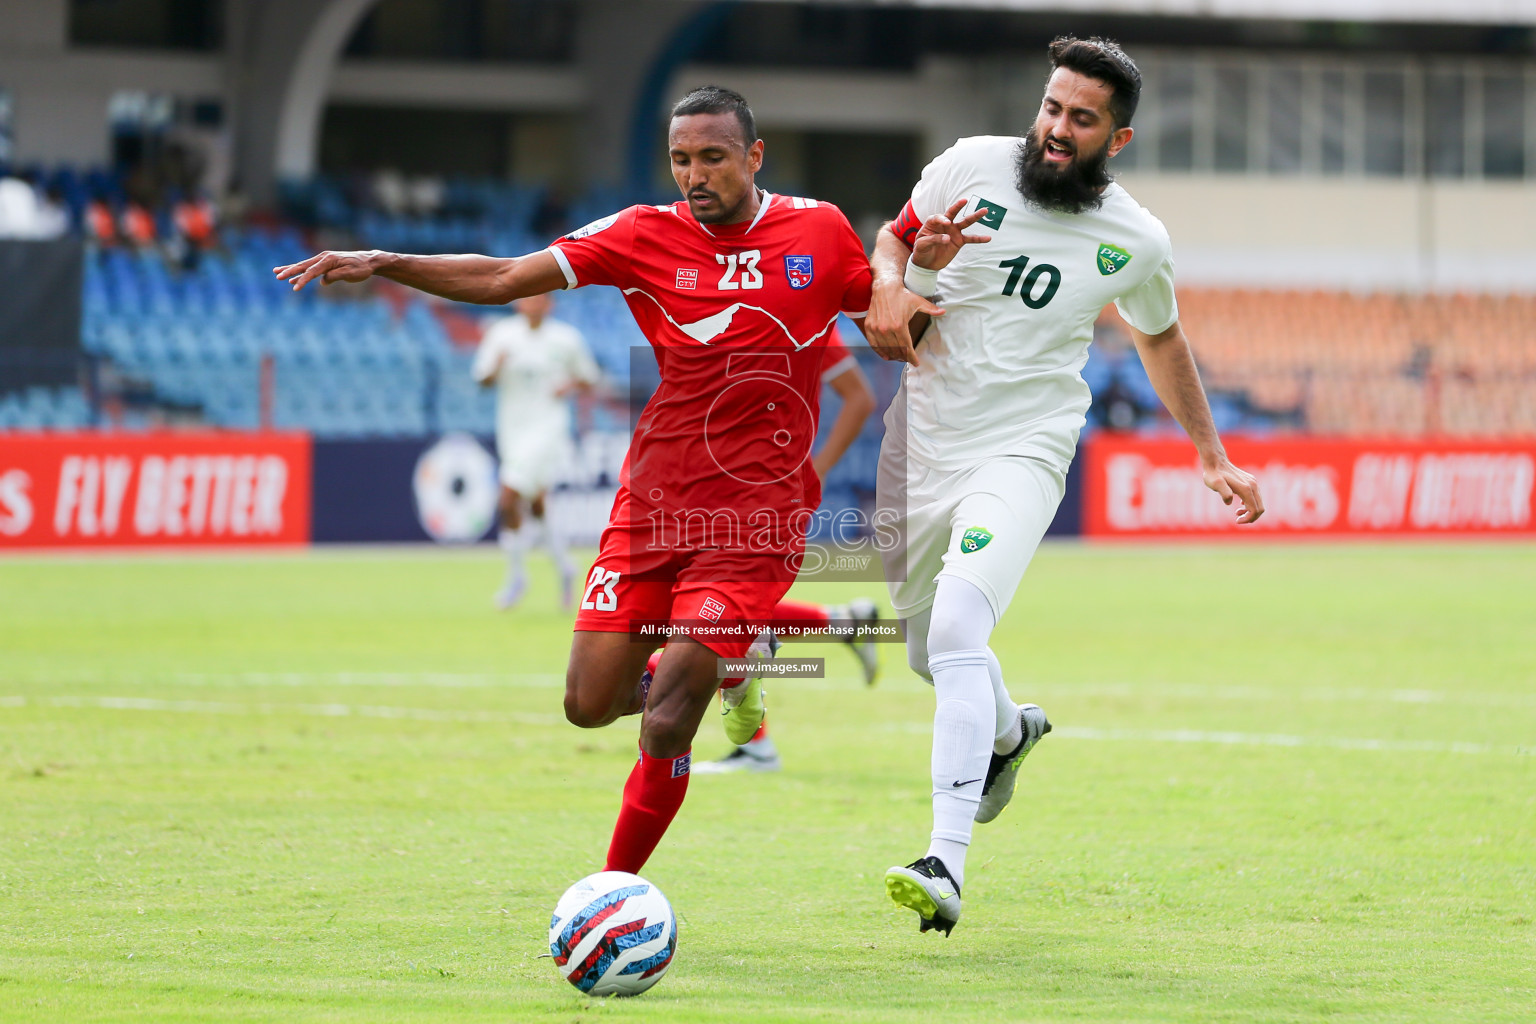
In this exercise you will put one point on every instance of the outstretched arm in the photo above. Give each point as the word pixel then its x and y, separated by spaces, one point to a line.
pixel 1171 368
pixel 488 378
pixel 488 280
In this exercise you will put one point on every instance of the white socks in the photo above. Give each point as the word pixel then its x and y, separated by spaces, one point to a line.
pixel 515 542
pixel 1009 731
pixel 512 543
pixel 554 540
pixel 975 716
pixel 965 721
pixel 961 751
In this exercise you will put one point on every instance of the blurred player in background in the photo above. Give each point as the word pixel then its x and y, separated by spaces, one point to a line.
pixel 842 375
pixel 535 363
pixel 994 402
pixel 735 288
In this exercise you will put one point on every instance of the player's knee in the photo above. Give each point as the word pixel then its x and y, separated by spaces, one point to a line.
pixel 961 618
pixel 917 658
pixel 585 708
pixel 946 634
pixel 666 733
pixel 584 714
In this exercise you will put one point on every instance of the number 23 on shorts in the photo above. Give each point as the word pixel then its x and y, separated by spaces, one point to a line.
pixel 604 599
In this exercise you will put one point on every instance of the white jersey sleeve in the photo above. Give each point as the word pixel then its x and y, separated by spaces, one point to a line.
pixel 1151 307
pixel 492 348
pixel 941 180
pixel 579 363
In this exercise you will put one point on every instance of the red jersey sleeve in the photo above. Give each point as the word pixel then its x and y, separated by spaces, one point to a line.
pixel 600 252
pixel 836 360
pixel 853 264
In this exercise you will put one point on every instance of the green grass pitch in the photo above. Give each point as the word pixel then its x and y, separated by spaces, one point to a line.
pixel 1287 783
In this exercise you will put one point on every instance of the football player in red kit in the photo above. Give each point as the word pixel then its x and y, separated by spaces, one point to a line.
pixel 736 290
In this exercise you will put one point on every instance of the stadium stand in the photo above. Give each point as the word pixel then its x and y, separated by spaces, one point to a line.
pixel 343 365
pixel 175 338
pixel 1380 364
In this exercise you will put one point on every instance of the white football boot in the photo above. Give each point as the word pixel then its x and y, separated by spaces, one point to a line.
pixel 925 886
pixel 1003 769
pixel 759 756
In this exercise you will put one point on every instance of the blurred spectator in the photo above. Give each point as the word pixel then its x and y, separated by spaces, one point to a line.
pixel 26 213
pixel 1420 362
pixel 427 194
pixel 391 192
pixel 195 226
pixel 100 223
pixel 234 206
pixel 1115 406
pixel 53 212
pixel 137 225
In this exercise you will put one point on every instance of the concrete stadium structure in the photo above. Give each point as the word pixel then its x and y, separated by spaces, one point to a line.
pixel 1316 194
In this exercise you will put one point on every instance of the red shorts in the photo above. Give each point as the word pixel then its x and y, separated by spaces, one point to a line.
pixel 714 595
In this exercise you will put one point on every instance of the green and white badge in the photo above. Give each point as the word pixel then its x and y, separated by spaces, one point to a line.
pixel 974 539
pixel 1112 259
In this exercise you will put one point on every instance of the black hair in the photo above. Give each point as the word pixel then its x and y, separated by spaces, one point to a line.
pixel 1102 59
pixel 714 99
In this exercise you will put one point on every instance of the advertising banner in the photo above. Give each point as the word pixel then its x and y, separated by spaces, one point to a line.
pixel 162 489
pixel 445 489
pixel 1138 487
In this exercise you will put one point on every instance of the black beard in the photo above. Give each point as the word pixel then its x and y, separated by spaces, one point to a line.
pixel 1078 187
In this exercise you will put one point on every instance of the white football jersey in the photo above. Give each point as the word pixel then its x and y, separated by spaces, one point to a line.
pixel 1000 372
pixel 536 365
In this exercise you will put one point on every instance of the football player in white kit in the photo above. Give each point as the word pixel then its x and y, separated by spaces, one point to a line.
pixel 535 363
pixel 979 440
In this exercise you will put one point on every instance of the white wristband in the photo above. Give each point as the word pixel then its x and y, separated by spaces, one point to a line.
pixel 921 280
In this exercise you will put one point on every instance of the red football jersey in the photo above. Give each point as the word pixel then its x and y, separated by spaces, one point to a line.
pixel 738 315
pixel 836 360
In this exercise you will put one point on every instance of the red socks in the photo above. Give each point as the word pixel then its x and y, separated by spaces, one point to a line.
pixel 811 615
pixel 652 795
pixel 657 785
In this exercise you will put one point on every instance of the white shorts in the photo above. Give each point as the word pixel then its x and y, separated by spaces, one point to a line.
pixel 981 523
pixel 532 466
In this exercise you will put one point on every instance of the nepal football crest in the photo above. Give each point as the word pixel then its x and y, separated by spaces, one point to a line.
pixel 799 271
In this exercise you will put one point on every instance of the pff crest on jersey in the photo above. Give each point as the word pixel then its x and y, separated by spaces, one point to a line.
pixel 974 539
pixel 799 270
pixel 1111 258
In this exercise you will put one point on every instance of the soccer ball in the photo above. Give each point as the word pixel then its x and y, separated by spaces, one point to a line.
pixel 613 934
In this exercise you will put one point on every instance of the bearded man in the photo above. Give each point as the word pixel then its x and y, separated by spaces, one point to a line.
pixel 979 438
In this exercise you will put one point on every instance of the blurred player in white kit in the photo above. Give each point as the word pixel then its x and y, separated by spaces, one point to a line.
pixel 535 363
